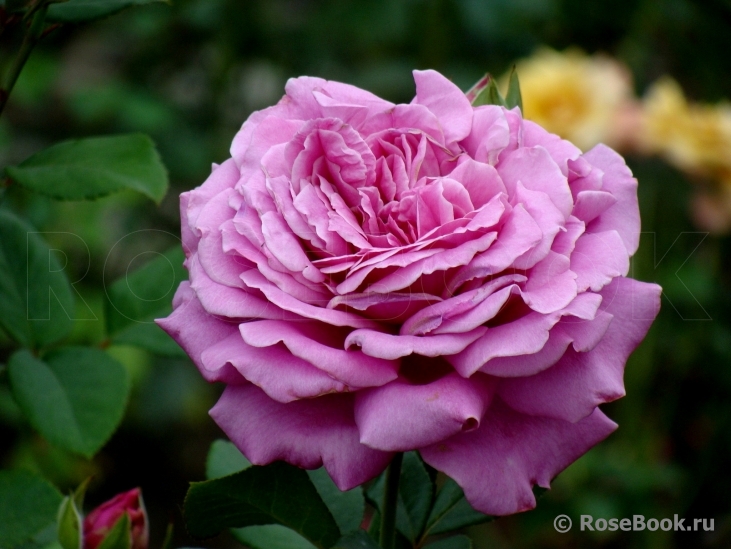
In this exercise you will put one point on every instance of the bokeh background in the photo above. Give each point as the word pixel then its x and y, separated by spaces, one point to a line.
pixel 189 74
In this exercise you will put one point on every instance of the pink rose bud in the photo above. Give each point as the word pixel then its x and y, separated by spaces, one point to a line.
pixel 101 520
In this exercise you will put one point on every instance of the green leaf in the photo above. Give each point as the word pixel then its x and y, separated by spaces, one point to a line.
pixel 271 536
pixel 455 542
pixel 120 536
pixel 96 166
pixel 28 505
pixel 45 539
pixel 81 11
pixel 452 511
pixel 69 525
pixel 35 295
pixel 276 494
pixel 513 98
pixel 357 540
pixel 416 493
pixel 346 507
pixel 135 300
pixel 75 397
pixel 224 459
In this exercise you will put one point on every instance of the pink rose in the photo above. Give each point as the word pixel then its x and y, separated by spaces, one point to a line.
pixel 101 520
pixel 370 278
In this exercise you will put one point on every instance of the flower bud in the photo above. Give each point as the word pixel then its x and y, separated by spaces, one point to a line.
pixel 102 520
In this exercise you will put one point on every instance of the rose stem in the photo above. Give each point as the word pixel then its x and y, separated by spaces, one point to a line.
pixel 390 503
pixel 29 41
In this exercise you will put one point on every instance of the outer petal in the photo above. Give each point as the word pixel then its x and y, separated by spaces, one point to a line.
pixel 222 177
pixel 279 374
pixel 230 302
pixel 624 216
pixel 579 382
pixel 306 433
pixel 497 464
pixel 400 416
pixel 446 101
pixel 195 330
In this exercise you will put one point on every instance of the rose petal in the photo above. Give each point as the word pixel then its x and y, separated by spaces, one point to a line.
pixel 624 216
pixel 584 334
pixel 306 433
pixel 254 279
pixel 195 330
pixel 481 181
pixel 590 204
pixel 561 151
pixel 280 375
pixel 598 258
pixel 442 261
pixel 221 300
pixel 284 246
pixel 457 314
pixel 399 417
pixel 446 101
pixel 551 284
pixel 535 168
pixel 579 382
pixel 321 346
pixel 519 233
pixel 489 136
pixel 497 464
pixel 389 347
pixel 525 336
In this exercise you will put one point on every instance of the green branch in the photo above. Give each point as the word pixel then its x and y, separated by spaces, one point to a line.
pixel 29 42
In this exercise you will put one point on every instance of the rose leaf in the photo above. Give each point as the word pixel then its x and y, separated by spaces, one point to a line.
pixel 75 397
pixel 275 494
pixel 83 169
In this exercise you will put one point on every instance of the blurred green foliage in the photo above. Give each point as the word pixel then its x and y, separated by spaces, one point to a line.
pixel 189 73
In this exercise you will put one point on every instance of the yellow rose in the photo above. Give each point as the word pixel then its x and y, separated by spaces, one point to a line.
pixel 581 98
pixel 694 137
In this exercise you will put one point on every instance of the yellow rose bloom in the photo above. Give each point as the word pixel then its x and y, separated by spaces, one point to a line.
pixel 579 97
pixel 694 137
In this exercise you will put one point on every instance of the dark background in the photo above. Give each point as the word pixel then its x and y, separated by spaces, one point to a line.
pixel 189 74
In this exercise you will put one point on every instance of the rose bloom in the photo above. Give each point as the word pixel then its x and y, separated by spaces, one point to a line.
pixel 581 98
pixel 101 520
pixel 370 278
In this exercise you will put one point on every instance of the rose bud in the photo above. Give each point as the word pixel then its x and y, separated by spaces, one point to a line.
pixel 99 522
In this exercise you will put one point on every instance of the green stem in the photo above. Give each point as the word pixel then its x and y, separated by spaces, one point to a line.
pixel 390 503
pixel 29 42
